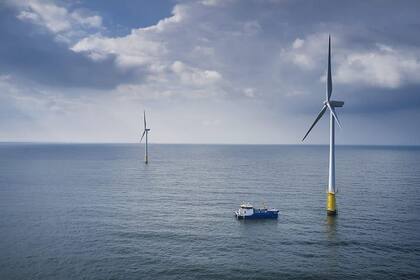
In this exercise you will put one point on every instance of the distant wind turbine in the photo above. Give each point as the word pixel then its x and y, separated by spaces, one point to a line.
pixel 145 132
pixel 331 105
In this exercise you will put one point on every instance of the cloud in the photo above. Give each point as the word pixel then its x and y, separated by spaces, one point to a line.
pixel 129 51
pixel 28 102
pixel 37 57
pixel 193 76
pixel 157 50
pixel 377 65
pixel 215 3
pixel 66 25
pixel 142 47
pixel 241 64
pixel 307 53
pixel 54 18
pixel 298 43
pixel 384 67
pixel 249 92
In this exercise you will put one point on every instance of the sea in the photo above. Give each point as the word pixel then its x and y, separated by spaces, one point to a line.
pixel 97 211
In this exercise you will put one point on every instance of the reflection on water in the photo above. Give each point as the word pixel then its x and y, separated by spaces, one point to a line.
pixel 333 244
pixel 331 228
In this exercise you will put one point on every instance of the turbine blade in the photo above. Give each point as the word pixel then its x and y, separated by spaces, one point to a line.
pixel 334 114
pixel 144 132
pixel 144 118
pixel 316 120
pixel 329 78
pixel 336 118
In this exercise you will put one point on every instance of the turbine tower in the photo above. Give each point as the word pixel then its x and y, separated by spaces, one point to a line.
pixel 331 105
pixel 145 132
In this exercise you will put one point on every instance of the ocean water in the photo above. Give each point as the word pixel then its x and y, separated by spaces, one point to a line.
pixel 90 211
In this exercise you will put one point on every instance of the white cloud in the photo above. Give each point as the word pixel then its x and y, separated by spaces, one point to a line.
pixel 249 92
pixel 215 3
pixel 142 47
pixel 93 21
pixel 179 14
pixel 162 53
pixel 56 19
pixel 132 50
pixel 384 67
pixel 298 43
pixel 194 76
pixel 307 53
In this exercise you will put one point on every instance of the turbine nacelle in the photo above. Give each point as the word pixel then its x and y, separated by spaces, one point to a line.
pixel 334 104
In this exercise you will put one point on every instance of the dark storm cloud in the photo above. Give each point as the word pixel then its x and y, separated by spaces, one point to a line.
pixel 372 100
pixel 30 53
pixel 393 21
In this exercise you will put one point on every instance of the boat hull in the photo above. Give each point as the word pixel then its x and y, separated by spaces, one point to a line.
pixel 258 215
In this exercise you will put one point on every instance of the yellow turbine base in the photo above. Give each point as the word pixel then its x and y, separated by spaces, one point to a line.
pixel 331 209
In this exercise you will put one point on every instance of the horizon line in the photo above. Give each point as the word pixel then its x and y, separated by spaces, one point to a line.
pixel 179 143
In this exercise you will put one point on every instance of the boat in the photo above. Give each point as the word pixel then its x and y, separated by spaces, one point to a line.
pixel 247 211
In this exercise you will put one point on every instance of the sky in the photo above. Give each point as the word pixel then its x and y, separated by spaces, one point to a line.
pixel 208 71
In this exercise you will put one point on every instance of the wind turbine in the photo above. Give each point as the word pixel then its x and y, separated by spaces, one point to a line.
pixel 145 132
pixel 331 105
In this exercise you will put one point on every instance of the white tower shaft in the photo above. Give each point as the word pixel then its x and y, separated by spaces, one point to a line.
pixel 331 177
pixel 146 155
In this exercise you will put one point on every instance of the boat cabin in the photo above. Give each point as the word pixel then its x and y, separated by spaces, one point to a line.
pixel 246 206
